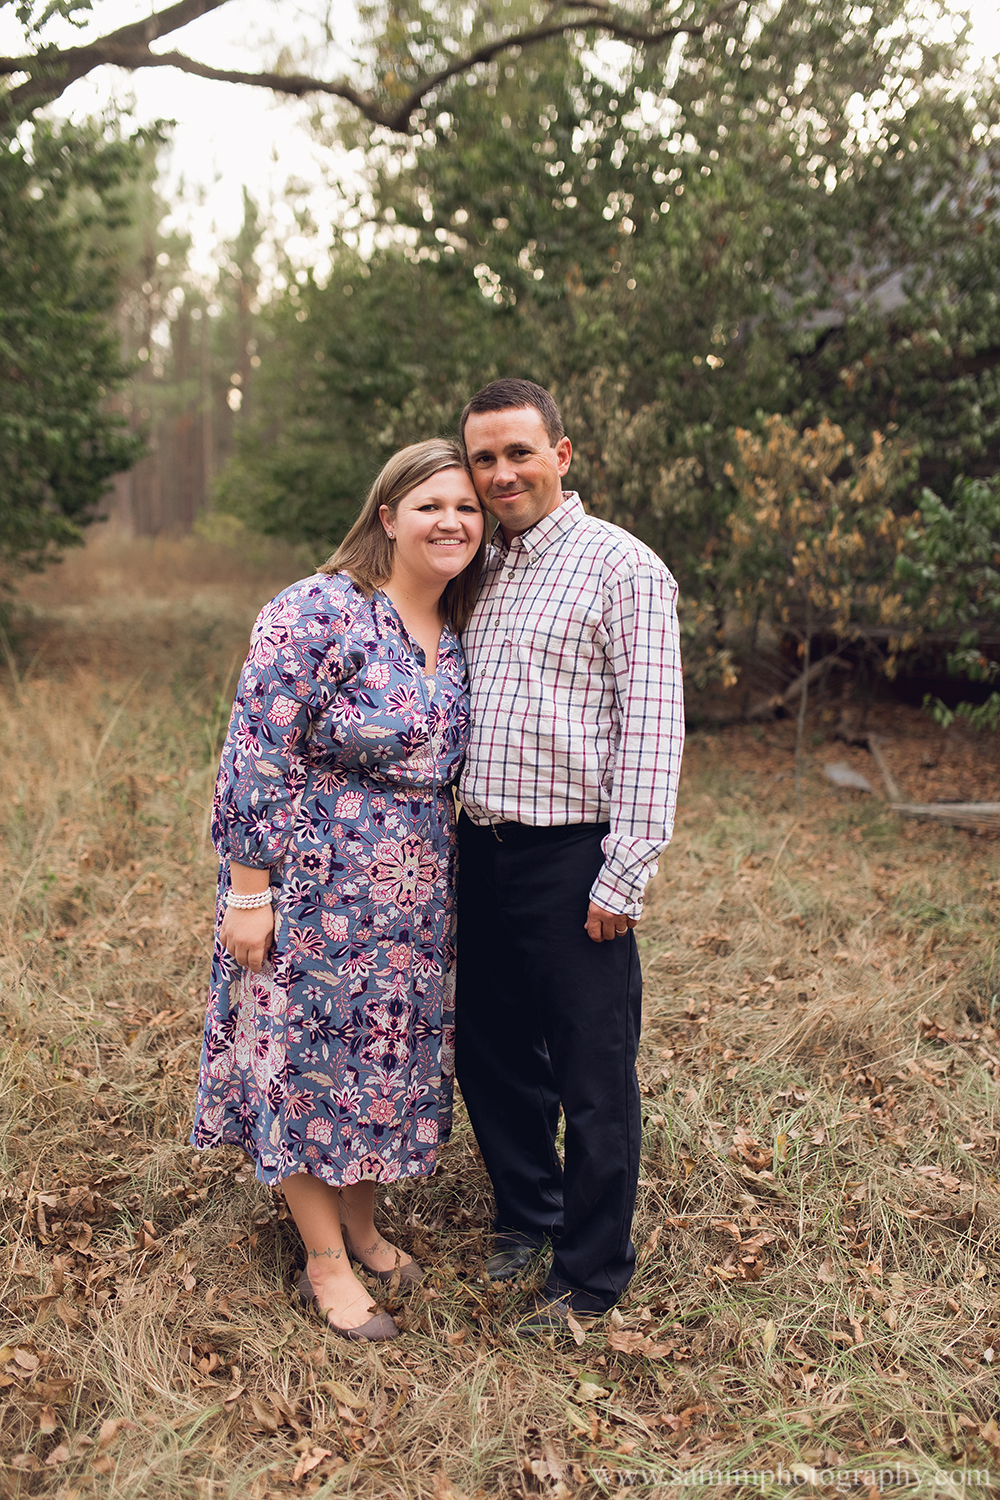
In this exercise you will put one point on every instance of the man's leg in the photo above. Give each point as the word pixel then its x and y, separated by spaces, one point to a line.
pixel 585 998
pixel 501 1062
pixel 589 997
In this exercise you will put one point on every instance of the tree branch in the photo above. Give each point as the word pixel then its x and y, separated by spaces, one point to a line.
pixel 52 72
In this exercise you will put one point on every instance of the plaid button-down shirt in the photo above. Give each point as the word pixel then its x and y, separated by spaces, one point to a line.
pixel 577 698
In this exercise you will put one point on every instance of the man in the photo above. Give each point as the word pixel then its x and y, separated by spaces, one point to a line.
pixel 568 796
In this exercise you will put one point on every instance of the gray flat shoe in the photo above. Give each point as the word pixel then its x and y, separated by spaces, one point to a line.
pixel 376 1331
pixel 411 1272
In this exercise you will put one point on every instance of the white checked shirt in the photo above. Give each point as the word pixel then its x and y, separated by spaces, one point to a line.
pixel 577 698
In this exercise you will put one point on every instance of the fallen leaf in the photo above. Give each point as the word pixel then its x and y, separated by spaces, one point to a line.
pixel 81 1237
pixel 26 1360
pixel 589 1388
pixel 575 1328
pixel 68 1315
pixel 652 1240
pixel 826 1272
pixel 627 1341
pixel 748 1150
pixel 110 1430
pixel 577 1419
pixel 341 1392
pixel 443 1488
pixel 310 1461
pixel 47 1420
pixel 281 1406
pixel 265 1418
pixel 991 1433
pixel 769 1336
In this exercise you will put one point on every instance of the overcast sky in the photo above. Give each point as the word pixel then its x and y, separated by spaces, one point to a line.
pixel 227 135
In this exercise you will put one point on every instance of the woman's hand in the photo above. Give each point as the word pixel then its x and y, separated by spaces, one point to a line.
pixel 247 935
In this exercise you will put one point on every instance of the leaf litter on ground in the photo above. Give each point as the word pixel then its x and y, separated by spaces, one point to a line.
pixel 818 1253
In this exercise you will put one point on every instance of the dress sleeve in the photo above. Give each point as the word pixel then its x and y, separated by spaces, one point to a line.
pixel 640 616
pixel 299 653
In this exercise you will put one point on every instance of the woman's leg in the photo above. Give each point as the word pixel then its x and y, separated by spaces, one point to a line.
pixel 315 1207
pixel 357 1213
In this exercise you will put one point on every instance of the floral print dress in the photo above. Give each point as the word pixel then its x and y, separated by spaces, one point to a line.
pixel 338 1058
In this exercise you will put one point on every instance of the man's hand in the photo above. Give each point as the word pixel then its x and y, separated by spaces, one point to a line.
pixel 248 935
pixel 604 926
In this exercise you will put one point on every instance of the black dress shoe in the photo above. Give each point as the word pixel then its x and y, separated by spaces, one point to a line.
pixel 509 1261
pixel 550 1315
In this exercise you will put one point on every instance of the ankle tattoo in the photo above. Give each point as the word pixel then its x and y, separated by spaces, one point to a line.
pixel 329 1253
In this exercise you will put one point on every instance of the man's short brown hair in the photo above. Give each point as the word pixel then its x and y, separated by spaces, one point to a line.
pixel 511 395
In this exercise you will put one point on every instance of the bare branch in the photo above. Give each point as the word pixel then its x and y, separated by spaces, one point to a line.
pixel 51 71
pixel 603 20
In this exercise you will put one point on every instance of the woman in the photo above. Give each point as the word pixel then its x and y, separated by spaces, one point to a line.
pixel 328 1053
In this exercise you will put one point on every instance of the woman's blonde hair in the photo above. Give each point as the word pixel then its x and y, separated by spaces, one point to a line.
pixel 366 551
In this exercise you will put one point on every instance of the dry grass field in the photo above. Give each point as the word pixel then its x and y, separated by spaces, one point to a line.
pixel 817 1305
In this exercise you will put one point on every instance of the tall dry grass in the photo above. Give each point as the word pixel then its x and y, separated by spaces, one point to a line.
pixel 817 1226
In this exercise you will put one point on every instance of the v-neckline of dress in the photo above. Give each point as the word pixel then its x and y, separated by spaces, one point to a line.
pixel 418 651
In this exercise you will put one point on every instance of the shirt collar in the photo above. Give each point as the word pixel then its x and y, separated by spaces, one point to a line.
pixel 538 538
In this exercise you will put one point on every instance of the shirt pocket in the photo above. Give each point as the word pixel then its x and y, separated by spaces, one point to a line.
pixel 563 677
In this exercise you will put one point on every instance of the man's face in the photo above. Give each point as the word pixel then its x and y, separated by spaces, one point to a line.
pixel 515 468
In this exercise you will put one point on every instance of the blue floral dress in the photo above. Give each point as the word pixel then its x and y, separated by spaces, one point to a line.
pixel 338 1058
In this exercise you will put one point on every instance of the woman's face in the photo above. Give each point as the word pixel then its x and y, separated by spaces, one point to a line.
pixel 437 529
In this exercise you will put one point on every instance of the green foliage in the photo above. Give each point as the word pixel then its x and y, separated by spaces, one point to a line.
pixel 791 215
pixel 61 198
pixel 380 356
pixel 950 570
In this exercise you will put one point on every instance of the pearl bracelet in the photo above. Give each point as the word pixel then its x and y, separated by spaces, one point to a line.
pixel 251 902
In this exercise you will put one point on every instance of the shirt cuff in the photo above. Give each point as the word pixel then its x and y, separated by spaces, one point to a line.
pixel 616 894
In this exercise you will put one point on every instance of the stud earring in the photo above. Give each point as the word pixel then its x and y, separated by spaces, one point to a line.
pixel 391 535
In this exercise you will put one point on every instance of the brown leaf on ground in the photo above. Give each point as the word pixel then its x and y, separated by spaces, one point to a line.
pixel 68 1315
pixel 47 1421
pixel 443 1489
pixel 112 1429
pixel 749 1151
pixel 628 1341
pixel 265 1418
pixel 310 1461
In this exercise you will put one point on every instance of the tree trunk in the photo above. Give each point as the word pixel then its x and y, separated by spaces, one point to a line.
pixel 800 729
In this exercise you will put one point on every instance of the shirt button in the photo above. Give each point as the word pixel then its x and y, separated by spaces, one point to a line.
pixel 511 574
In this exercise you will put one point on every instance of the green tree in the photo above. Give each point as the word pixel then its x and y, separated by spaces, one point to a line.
pixel 62 196
pixel 950 571
pixel 674 248
pixel 798 222
pixel 376 357
pixel 415 50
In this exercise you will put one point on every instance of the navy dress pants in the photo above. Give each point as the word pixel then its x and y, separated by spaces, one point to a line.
pixel 546 1017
